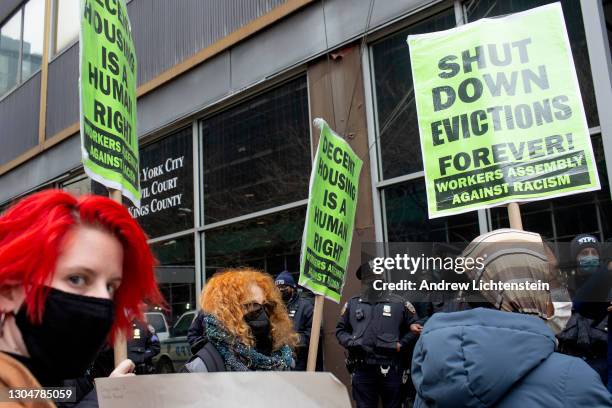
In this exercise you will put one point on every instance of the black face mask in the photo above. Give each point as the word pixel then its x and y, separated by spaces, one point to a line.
pixel 286 294
pixel 72 331
pixel 260 327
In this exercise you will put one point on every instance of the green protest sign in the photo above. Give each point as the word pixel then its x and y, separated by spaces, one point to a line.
pixel 107 81
pixel 500 113
pixel 330 217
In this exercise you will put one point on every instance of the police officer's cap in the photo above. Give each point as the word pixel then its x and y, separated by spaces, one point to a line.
pixel 363 270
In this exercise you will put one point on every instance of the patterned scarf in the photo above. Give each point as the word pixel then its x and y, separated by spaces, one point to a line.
pixel 240 357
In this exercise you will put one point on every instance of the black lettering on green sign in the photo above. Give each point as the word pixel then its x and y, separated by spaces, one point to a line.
pixel 503 152
pixel 478 122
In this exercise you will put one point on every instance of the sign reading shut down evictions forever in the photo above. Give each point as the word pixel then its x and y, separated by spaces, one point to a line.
pixel 500 113
pixel 109 142
pixel 330 217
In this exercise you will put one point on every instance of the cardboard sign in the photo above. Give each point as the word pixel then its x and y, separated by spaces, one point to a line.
pixel 500 113
pixel 330 218
pixel 225 389
pixel 107 82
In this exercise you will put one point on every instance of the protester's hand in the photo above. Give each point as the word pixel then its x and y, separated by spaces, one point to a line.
pixel 610 307
pixel 124 369
pixel 416 328
pixel 398 346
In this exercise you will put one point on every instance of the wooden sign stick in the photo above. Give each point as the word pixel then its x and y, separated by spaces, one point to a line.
pixel 514 215
pixel 120 346
pixel 315 333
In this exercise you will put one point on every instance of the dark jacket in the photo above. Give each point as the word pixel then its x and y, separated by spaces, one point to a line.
pixel 591 301
pixel 144 344
pixel 488 358
pixel 300 312
pixel 196 331
pixel 588 340
pixel 206 358
pixel 371 331
pixel 85 393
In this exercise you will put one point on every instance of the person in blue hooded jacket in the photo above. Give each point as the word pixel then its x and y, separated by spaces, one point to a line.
pixel 503 355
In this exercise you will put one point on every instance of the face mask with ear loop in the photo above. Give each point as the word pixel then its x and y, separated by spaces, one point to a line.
pixel 67 340
pixel 561 315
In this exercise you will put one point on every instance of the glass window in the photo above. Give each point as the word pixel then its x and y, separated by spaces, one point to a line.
pixel 476 9
pixel 33 21
pixel 563 218
pixel 270 243
pixel 405 204
pixel 10 45
pixel 407 220
pixel 256 155
pixel 166 184
pixel 398 129
pixel 176 274
pixel 78 185
pixel 183 324
pixel 156 320
pixel 21 44
pixel 67 20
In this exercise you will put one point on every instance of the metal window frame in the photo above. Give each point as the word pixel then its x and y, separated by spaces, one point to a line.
pixel 601 66
pixel 373 148
pixel 253 215
pixel 601 72
pixel 20 64
pixel 197 242
pixel 484 224
pixel 200 272
pixel 229 102
pixel 53 53
pixel 379 184
pixel 20 80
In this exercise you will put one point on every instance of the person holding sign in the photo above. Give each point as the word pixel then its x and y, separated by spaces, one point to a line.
pixel 72 274
pixel 245 325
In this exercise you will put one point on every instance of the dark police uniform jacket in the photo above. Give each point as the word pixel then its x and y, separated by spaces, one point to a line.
pixel 371 330
pixel 300 312
pixel 144 344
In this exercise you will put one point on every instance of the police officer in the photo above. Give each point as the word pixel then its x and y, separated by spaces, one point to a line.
pixel 143 346
pixel 376 331
pixel 300 312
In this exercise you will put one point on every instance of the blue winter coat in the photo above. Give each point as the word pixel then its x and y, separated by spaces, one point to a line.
pixel 489 358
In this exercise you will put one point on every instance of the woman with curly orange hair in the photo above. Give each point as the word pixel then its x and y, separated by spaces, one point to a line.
pixel 246 326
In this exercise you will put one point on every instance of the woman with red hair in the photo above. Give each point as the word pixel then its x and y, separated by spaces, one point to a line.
pixel 245 325
pixel 72 275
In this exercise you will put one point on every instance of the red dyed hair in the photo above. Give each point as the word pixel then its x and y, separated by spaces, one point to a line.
pixel 33 231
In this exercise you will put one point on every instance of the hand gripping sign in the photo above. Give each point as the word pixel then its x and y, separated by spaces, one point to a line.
pixel 500 113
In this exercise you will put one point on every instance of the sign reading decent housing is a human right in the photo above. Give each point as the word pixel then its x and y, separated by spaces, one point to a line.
pixel 500 113
pixel 107 81
pixel 330 217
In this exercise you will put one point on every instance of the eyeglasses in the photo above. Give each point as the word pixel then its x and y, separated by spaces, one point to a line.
pixel 252 309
